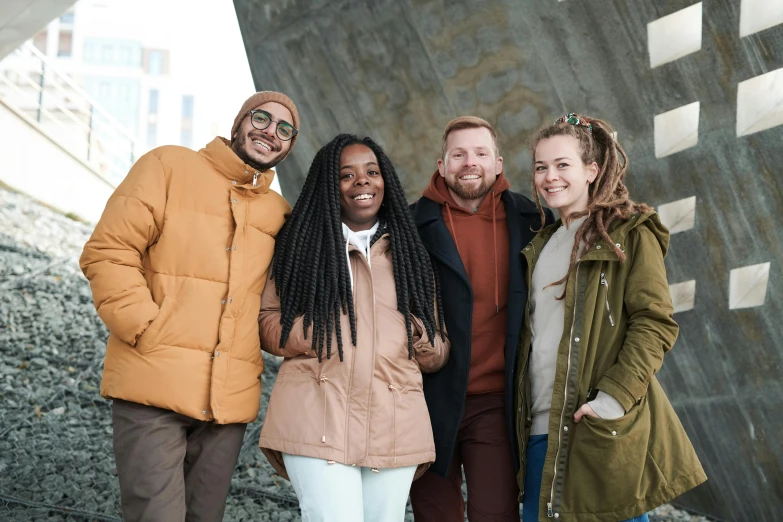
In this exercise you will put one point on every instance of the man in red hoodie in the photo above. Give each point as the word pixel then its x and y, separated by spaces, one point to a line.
pixel 474 228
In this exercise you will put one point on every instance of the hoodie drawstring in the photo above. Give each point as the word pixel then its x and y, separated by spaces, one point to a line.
pixel 494 243
pixel 495 248
pixel 361 240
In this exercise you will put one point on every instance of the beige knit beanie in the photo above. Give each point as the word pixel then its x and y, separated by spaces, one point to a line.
pixel 260 98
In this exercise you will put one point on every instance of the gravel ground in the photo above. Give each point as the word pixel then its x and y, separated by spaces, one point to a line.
pixel 56 460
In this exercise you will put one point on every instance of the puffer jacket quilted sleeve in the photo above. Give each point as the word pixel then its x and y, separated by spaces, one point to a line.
pixel 112 258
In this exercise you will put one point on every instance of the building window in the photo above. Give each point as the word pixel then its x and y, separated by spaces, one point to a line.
pixel 104 91
pixel 107 54
pixel 64 44
pixel 39 41
pixel 152 135
pixel 124 55
pixel 153 108
pixel 67 17
pixel 187 106
pixel 89 53
pixel 155 62
pixel 186 138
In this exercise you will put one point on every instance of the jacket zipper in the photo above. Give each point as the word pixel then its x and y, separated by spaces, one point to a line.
pixel 606 297
pixel 523 412
pixel 565 398
pixel 255 178
pixel 323 380
pixel 374 348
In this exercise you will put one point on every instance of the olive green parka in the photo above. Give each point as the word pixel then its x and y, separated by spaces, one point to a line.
pixel 618 326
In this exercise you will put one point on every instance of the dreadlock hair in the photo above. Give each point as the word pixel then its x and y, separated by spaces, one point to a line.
pixel 310 267
pixel 608 198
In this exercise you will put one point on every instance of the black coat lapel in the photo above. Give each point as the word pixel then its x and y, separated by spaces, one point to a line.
pixel 436 237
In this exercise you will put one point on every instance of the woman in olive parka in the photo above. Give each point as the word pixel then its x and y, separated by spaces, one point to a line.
pixel 598 439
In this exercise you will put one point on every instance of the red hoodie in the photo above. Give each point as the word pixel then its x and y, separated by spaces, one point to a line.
pixel 482 240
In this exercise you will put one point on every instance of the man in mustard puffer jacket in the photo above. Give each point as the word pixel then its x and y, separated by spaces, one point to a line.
pixel 177 264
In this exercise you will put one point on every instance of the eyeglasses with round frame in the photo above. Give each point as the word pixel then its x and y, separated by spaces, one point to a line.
pixel 260 119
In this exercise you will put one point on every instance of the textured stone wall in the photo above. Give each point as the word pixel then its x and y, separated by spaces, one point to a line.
pixel 695 91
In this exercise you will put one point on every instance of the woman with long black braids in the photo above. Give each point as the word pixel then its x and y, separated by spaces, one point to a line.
pixel 352 306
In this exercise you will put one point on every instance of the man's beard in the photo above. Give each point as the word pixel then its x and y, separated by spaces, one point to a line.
pixel 239 147
pixel 469 194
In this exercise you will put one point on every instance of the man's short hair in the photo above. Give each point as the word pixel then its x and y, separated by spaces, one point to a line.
pixel 467 122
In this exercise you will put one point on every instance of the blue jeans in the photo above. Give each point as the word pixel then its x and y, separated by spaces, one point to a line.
pixel 536 453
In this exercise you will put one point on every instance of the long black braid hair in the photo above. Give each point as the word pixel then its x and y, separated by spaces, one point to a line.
pixel 310 268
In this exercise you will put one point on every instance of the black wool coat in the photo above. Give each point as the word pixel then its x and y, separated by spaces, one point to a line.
pixel 445 391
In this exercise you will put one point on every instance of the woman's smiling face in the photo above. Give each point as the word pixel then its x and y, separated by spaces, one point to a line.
pixel 560 176
pixel 361 187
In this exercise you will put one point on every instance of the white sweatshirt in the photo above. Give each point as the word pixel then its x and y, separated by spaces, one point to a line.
pixel 547 317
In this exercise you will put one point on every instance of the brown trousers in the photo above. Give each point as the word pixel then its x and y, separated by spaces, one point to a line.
pixel 172 468
pixel 484 450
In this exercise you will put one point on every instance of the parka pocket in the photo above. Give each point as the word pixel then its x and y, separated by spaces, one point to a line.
pixel 149 339
pixel 403 428
pixel 609 468
pixel 307 409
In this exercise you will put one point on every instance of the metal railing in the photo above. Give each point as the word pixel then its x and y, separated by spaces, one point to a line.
pixel 31 85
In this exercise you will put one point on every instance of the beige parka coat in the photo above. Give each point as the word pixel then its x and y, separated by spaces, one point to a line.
pixel 367 410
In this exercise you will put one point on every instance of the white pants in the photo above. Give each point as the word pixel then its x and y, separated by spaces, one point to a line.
pixel 340 493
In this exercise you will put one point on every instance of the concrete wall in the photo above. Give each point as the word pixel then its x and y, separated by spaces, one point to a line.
pixel 34 164
pixel 398 70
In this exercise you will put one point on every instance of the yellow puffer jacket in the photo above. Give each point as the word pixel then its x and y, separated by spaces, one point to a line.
pixel 177 264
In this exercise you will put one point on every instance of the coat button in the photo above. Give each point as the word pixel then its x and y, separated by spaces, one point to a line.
pixel 576 339
pixel 217 354
pixel 598 247
pixel 230 299
pixel 235 200
pixel 617 245
pixel 223 301
pixel 614 432
pixel 557 515
pixel 228 249
pixel 235 247
pixel 565 428
pixel 233 182
pixel 204 412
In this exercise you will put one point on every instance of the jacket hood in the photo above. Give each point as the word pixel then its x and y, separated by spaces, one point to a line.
pixel 618 233
pixel 438 191
pixel 652 221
